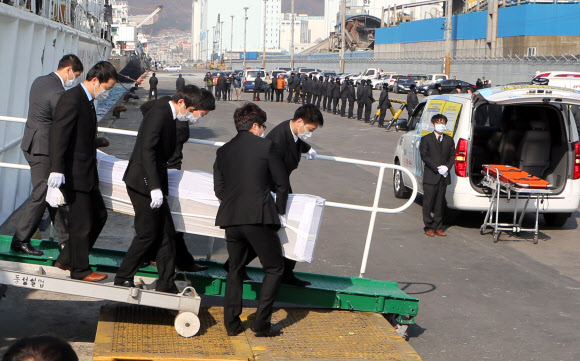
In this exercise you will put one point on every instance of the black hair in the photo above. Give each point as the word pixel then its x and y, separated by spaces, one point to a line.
pixel 40 348
pixel 386 86
pixel 437 85
pixel 310 114
pixel 436 117
pixel 153 74
pixel 190 95
pixel 458 86
pixel 412 86
pixel 206 100
pixel 103 71
pixel 248 114
pixel 71 60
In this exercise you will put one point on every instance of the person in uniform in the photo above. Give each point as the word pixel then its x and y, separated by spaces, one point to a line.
pixel 153 81
pixel 45 92
pixel 412 100
pixel 291 87
pixel 343 97
pixel 437 151
pixel 244 169
pixel 179 83
pixel 73 166
pixel 329 91
pixel 367 99
pixel 324 92
pixel 384 104
pixel 147 185
pixel 335 96
pixel 257 87
pixel 351 99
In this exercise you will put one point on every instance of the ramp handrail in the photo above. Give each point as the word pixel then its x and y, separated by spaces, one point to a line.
pixel 374 209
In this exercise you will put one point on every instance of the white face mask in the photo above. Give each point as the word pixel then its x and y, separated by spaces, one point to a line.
pixel 263 135
pixel 307 134
pixel 70 83
pixel 440 128
pixel 184 117
pixel 195 120
pixel 102 95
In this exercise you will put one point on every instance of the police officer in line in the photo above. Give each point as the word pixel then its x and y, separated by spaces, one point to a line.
pixel 384 104
pixel 291 86
pixel 297 87
pixel 335 96
pixel 319 90
pixel 329 91
pixel 309 89
pixel 324 92
pixel 412 100
pixel 351 96
pixel 343 97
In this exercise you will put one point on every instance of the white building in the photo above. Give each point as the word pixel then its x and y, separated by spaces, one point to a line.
pixel 199 29
pixel 308 30
pixel 273 8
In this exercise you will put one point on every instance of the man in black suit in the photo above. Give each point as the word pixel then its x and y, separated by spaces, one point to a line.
pixel 44 94
pixel 73 165
pixel 290 140
pixel 153 86
pixel 412 100
pixel 204 102
pixel 147 184
pixel 438 153
pixel 257 87
pixel 384 104
pixel 243 171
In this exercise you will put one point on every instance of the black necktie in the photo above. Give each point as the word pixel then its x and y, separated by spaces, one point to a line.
pixel 440 138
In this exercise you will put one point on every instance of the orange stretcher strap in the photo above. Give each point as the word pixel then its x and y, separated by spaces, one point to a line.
pixel 513 175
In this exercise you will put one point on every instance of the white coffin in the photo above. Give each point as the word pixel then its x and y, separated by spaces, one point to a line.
pixel 194 206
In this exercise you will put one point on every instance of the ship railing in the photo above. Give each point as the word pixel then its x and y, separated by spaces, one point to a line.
pixel 374 209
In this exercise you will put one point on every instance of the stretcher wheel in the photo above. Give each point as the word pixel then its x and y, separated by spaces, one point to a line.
pixel 481 230
pixel 536 238
pixel 187 324
pixel 496 236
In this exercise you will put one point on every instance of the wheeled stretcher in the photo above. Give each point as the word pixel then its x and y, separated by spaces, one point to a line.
pixel 505 179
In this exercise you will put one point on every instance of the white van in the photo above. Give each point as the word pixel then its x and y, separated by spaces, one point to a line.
pixel 434 78
pixel 530 127
pixel 566 79
pixel 248 79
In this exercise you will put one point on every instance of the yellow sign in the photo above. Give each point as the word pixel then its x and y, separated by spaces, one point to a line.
pixel 450 109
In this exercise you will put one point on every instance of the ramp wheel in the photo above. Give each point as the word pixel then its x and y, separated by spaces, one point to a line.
pixel 481 230
pixel 496 236
pixel 187 324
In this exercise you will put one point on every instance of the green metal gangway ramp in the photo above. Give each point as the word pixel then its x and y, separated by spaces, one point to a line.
pixel 333 292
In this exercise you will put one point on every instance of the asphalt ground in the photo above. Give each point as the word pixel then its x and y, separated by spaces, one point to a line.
pixel 512 300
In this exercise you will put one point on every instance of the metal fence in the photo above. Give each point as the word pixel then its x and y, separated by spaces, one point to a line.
pixel 373 209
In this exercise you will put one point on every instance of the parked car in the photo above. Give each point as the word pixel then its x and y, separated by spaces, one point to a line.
pixel 447 86
pixel 402 84
pixel 523 126
pixel 393 79
pixel 249 78
pixel 172 68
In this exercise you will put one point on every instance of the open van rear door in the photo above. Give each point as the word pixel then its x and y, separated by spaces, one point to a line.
pixel 522 94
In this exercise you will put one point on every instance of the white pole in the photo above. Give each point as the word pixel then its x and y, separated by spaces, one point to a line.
pixel 245 22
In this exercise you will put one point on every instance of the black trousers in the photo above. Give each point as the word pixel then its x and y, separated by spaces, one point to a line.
pixel 359 110
pixel 269 94
pixel 86 218
pixel 296 95
pixel 309 98
pixel 33 209
pixel 290 92
pixel 368 110
pixel 153 93
pixel 343 106
pixel 256 94
pixel 433 202
pixel 316 100
pixel 265 242
pixel 154 231
pixel 383 113
pixel 279 95
pixel 350 108
pixel 334 105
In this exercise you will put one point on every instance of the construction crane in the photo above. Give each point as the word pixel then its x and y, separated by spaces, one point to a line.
pixel 158 9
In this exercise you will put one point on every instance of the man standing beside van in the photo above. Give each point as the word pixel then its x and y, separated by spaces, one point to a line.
pixel 438 153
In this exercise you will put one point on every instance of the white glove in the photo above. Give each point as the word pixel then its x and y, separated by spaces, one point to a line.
pixel 156 198
pixel 283 221
pixel 442 169
pixel 55 180
pixel 311 154
pixel 54 197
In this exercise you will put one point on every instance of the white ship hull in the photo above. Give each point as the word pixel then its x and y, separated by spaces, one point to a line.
pixel 31 45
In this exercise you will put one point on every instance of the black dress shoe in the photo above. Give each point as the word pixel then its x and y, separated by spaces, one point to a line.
pixel 237 331
pixel 63 267
pixel 272 331
pixel 26 248
pixel 124 284
pixel 192 268
pixel 295 281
